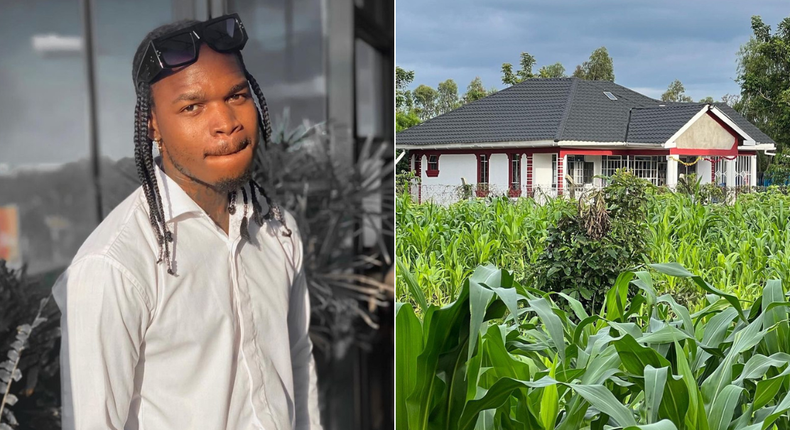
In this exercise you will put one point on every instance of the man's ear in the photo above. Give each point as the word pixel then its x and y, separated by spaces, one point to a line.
pixel 153 128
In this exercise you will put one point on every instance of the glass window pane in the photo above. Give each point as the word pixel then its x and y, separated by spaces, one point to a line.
pixel 120 27
pixel 44 172
pixel 285 55
pixel 369 65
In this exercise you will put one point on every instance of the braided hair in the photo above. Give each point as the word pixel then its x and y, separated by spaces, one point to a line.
pixel 144 159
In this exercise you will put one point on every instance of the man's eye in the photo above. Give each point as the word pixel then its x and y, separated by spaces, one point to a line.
pixel 239 96
pixel 190 108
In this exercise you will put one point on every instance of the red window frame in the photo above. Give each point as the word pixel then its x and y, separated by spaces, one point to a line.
pixel 433 166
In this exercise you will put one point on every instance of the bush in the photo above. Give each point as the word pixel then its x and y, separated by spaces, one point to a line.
pixel 30 340
pixel 589 247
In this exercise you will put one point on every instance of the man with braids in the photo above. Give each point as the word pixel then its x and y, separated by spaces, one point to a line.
pixel 187 307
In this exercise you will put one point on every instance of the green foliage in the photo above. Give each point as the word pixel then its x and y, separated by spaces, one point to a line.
pixel 475 90
pixel 505 356
pixel 598 68
pixel 403 98
pixel 737 246
pixel 587 248
pixel 527 62
pixel 708 100
pixel 778 171
pixel 447 98
pixel 405 120
pixel 764 76
pixel 556 70
pixel 425 99
pixel 676 92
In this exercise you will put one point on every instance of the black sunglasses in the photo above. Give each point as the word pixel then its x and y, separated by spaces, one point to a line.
pixel 180 48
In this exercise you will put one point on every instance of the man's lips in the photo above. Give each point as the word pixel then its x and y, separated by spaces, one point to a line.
pixel 226 150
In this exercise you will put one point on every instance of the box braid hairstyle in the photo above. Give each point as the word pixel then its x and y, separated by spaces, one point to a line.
pixel 143 154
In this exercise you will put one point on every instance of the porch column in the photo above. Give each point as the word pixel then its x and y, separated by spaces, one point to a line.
pixel 672 172
pixel 753 171
pixel 528 175
pixel 730 166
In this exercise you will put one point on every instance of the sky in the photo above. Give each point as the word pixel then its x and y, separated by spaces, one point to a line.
pixel 651 43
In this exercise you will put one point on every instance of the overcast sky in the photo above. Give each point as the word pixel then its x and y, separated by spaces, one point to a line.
pixel 651 42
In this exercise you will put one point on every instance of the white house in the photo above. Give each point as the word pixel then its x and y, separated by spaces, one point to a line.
pixel 523 139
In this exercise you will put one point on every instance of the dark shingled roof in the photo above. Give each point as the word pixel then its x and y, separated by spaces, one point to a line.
pixel 564 109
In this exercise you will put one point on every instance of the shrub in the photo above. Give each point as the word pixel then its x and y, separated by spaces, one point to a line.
pixel 589 247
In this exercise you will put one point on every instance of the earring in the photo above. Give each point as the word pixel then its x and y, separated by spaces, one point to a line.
pixel 232 202
pixel 158 143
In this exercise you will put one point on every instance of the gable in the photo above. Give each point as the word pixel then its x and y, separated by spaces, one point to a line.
pixel 707 133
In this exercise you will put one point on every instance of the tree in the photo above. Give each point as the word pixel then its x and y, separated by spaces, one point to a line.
pixel 598 68
pixel 403 99
pixel 475 90
pixel 527 63
pixel 764 77
pixel 556 70
pixel 447 97
pixel 676 93
pixel 425 99
pixel 731 100
pixel 405 120
pixel 778 173
pixel 708 100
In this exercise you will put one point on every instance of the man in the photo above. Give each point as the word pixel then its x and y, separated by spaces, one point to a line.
pixel 187 307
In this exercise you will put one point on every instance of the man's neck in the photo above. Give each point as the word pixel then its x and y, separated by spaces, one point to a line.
pixel 213 202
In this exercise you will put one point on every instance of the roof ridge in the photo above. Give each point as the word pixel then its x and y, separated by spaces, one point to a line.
pixel 671 106
pixel 567 112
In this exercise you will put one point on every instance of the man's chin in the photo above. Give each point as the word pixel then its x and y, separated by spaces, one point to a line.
pixel 229 184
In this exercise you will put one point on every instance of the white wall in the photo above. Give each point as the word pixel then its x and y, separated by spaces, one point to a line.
pixel 498 173
pixel 452 167
pixel 541 171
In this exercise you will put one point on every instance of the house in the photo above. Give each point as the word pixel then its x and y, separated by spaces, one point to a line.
pixel 543 134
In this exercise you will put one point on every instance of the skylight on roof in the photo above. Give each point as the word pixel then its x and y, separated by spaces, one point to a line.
pixel 610 95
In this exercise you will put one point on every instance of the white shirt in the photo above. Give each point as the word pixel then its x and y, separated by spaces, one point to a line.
pixel 223 344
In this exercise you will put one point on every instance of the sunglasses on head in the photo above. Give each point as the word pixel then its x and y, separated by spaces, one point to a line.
pixel 180 48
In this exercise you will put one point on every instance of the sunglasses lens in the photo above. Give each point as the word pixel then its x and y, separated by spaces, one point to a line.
pixel 177 50
pixel 224 35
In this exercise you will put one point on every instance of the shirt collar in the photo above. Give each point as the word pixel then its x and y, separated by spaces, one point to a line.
pixel 175 201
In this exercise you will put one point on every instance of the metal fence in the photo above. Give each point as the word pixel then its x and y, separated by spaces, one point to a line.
pixel 449 194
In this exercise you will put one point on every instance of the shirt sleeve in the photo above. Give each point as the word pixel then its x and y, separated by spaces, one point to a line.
pixel 104 313
pixel 305 388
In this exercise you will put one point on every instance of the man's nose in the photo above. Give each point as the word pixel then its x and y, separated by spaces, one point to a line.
pixel 224 121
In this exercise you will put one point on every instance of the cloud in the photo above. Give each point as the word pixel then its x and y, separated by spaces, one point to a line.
pixel 651 43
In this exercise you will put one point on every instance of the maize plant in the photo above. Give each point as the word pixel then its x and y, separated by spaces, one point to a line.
pixel 736 247
pixel 506 356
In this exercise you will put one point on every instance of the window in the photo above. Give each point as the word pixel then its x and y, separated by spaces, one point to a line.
pixel 482 175
pixel 579 170
pixel 482 169
pixel 684 169
pixel 433 162
pixel 720 172
pixel 515 175
pixel 743 170
pixel 613 162
pixel 554 172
